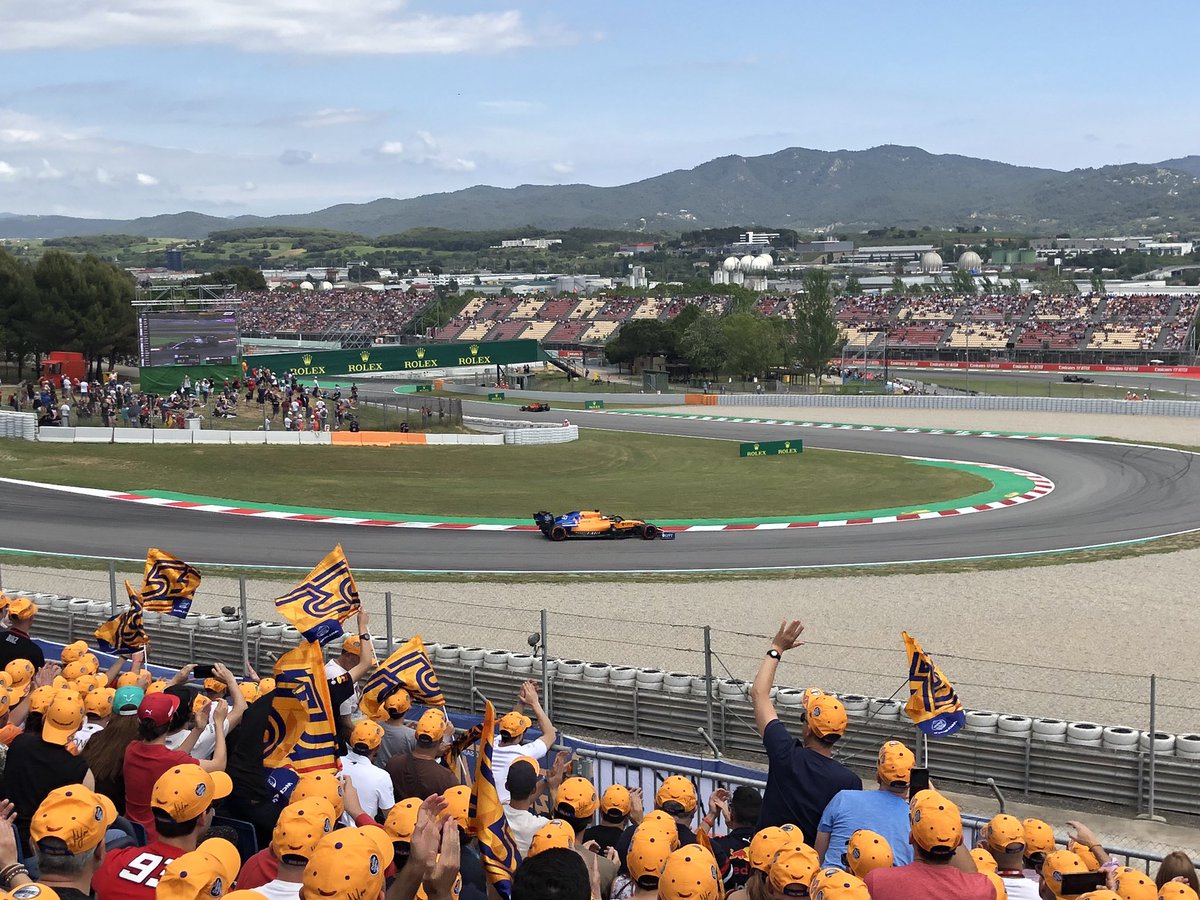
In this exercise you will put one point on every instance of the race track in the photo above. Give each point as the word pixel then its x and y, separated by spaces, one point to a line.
pixel 1104 494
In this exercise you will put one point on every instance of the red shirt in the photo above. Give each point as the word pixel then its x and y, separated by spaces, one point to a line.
pixel 144 764
pixel 258 870
pixel 132 873
pixel 922 881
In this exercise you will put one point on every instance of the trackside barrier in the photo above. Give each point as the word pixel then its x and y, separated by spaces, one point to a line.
pixel 1182 408
pixel 615 398
pixel 18 425
pixel 96 435
pixel 650 705
pixel 562 435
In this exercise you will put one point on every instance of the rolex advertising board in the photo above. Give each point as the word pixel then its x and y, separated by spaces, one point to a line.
pixel 397 358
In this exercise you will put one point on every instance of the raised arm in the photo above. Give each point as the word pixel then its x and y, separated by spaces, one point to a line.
pixel 529 696
pixel 366 656
pixel 787 637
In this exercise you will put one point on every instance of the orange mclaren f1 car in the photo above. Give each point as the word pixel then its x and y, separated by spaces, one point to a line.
pixel 595 524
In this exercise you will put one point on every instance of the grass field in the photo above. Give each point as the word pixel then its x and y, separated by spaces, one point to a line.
pixel 1051 386
pixel 632 475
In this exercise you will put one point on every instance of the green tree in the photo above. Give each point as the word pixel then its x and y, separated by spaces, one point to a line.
pixel 897 285
pixel 62 292
pixel 642 337
pixel 963 283
pixel 753 344
pixel 243 277
pixel 853 286
pixel 815 333
pixel 700 344
pixel 18 309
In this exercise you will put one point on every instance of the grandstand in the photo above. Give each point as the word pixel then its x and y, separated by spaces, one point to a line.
pixel 352 318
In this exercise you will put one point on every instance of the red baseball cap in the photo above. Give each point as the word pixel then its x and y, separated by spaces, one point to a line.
pixel 158 708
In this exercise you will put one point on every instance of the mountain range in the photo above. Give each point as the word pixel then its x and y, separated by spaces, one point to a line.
pixel 809 190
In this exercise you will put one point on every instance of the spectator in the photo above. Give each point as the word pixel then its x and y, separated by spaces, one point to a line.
pixel 97 705
pixel 1003 837
pixel 1059 863
pixel 675 802
pixel 555 874
pixel 941 868
pixel 522 784
pixel 300 827
pixel 39 762
pixel 616 811
pixel 802 776
pixel 867 851
pixel 400 825
pixel 512 727
pixel 251 799
pixel 346 669
pixel 201 874
pixel 1176 865
pixel 67 833
pixel 182 802
pixel 418 772
pixel 575 802
pixel 1039 840
pixel 690 873
pixel 398 736
pixel 835 884
pixel 884 811
pixel 373 786
pixel 732 850
pixel 149 757
pixel 648 853
pixel 17 644
pixel 105 753
pixel 792 870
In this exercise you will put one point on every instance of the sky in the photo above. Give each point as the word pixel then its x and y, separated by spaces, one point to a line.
pixel 124 108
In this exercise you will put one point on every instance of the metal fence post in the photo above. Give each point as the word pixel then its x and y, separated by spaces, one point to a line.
pixel 708 680
pixel 387 611
pixel 1150 812
pixel 112 586
pixel 547 700
pixel 242 617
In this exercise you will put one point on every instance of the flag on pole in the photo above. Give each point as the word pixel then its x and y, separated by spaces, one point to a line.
pixel 300 673
pixel 125 632
pixel 408 668
pixel 932 704
pixel 326 598
pixel 497 849
pixel 169 584
pixel 285 726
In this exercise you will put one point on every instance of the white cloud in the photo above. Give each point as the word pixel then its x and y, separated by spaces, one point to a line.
pixel 295 157
pixel 146 180
pixel 103 176
pixel 332 118
pixel 8 172
pixel 47 172
pixel 391 148
pixel 19 136
pixel 562 168
pixel 329 27
pixel 423 149
pixel 512 107
pixel 456 165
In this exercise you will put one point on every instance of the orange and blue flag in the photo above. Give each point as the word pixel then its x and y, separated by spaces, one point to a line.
pixel 323 600
pixel 285 726
pixel 300 673
pixel 125 632
pixel 933 704
pixel 410 669
pixel 497 849
pixel 169 584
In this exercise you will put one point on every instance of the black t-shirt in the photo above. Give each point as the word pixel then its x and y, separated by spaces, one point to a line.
pixel 18 646
pixel 604 835
pixel 731 851
pixel 800 782
pixel 33 769
pixel 244 752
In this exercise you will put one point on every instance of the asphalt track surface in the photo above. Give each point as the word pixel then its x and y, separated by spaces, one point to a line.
pixel 1104 494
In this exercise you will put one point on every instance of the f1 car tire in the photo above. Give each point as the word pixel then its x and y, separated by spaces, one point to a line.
pixel 650 532
pixel 558 533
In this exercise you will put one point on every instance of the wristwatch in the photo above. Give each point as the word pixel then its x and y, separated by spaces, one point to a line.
pixel 774 654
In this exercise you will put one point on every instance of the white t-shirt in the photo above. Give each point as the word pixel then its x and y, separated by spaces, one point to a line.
pixel 86 730
pixel 524 825
pixel 280 890
pixel 205 744
pixel 502 758
pixel 1020 888
pixel 374 785
pixel 349 707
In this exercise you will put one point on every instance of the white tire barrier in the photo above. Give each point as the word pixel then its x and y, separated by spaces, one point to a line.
pixel 496 660
pixel 650 678
pixel 731 689
pixel 596 671
pixel 854 703
pixel 1120 737
pixel 789 697
pixel 1187 746
pixel 1016 726
pixel 230 624
pixel 447 653
pixel 471 656
pixel 700 686
pixel 1161 742
pixel 674 681
pixel 884 709
pixel 1085 734
pixel 1049 729
pixel 570 668
pixel 981 721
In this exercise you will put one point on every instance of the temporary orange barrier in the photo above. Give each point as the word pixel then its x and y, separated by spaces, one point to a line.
pixel 376 438
pixel 700 399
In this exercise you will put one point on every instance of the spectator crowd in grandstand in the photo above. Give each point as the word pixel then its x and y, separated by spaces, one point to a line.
pixel 123 786
pixel 330 312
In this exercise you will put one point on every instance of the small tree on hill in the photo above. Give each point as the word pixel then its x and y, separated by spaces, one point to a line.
pixel 816 334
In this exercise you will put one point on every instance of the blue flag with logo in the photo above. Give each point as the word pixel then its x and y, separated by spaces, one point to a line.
pixel 497 849
pixel 125 632
pixel 933 704
pixel 300 673
pixel 327 596
pixel 409 669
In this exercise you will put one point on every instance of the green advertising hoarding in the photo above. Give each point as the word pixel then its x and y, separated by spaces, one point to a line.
pixel 397 358
pixel 593 404
pixel 771 448
pixel 496 395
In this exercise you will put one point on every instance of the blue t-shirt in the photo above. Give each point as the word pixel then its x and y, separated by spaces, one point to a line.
pixel 800 782
pixel 880 811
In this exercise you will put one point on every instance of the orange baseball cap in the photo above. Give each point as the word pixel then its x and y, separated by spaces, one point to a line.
pixel 204 873
pixel 795 865
pixel 1058 864
pixel 348 864
pixel 75 815
pixel 769 841
pixel 352 644
pixel 1039 837
pixel 676 795
pixel 616 803
pixel 402 820
pixel 22 608
pixel 867 851
pixel 896 763
pixel 825 715
pixel 1101 894
pixel 433 727
pixel 20 671
pixel 1176 890
pixel 513 724
pixel 73 671
pixel 1004 834
pixel 648 852
pixel 156 687
pixel 32 891
pixel 40 697
pixel 216 685
pixel 397 704
pixel 366 736
pixel 125 679
pixel 62 717
pixel 576 799
pixel 73 651
pixel 834 884
pixel 1130 884
pixel 458 805
pixel 936 823
pixel 249 690
pixel 91 663
pixel 299 827
pixel 99 702
pixel 690 873
pixel 555 833
pixel 187 791
pixel 1085 854
pixel 325 785
pixel 984 861
pixel 266 685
